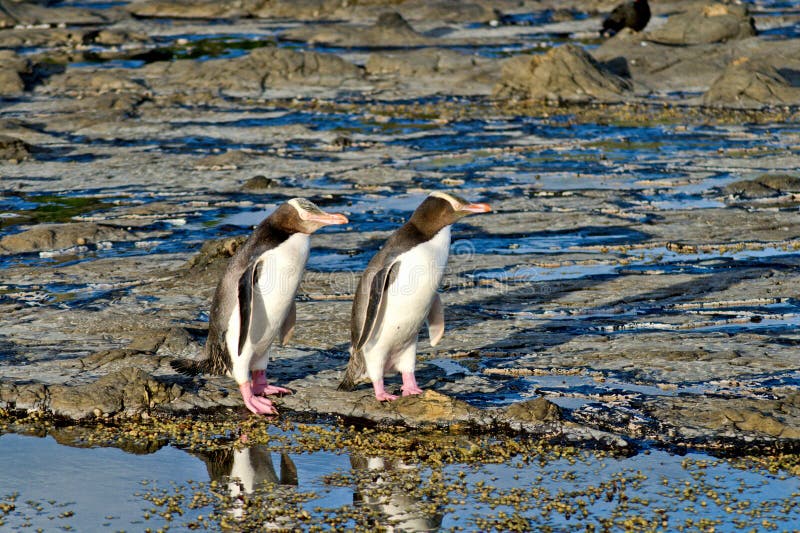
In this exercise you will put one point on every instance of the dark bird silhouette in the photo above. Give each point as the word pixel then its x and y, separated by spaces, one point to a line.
pixel 634 15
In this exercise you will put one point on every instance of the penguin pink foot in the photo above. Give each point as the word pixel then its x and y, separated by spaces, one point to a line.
pixel 256 404
pixel 262 388
pixel 380 393
pixel 410 384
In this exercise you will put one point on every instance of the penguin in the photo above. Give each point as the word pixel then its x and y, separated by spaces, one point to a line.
pixel 397 293
pixel 380 491
pixel 634 15
pixel 243 471
pixel 254 301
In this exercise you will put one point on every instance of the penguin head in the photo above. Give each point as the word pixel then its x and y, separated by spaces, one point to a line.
pixel 299 215
pixel 441 209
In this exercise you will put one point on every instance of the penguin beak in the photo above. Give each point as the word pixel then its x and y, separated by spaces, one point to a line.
pixel 475 208
pixel 327 219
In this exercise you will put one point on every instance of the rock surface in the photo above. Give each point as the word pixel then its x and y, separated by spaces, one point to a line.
pixel 32 13
pixel 12 68
pixel 58 236
pixel 125 391
pixel 565 74
pixel 13 150
pixel 746 83
pixel 424 62
pixel 711 23
pixel 254 73
pixel 639 266
pixel 767 186
pixel 389 30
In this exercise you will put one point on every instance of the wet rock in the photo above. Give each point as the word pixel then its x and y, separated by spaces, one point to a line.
pixel 23 396
pixel 12 68
pixel 59 236
pixel 13 150
pixel 390 29
pixel 178 342
pixel 230 160
pixel 308 10
pixel 262 69
pixel 660 67
pixel 130 390
pixel 420 62
pixel 704 418
pixel 190 9
pixel 214 254
pixel 711 23
pixel 565 74
pixel 145 341
pixel 114 37
pixel 14 13
pixel 104 358
pixel 11 83
pixel 765 186
pixel 12 60
pixel 748 83
pixel 432 407
pixel 536 410
pixel 68 40
pixel 258 183
pixel 447 11
pixel 94 83
pixel 429 408
pixel 6 19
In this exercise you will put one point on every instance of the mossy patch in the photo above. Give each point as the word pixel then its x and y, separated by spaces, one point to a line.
pixel 53 209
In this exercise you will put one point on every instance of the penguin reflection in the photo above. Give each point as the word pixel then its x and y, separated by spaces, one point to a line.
pixel 403 512
pixel 246 470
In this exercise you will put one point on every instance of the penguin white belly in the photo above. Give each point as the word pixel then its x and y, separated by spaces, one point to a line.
pixel 409 297
pixel 281 272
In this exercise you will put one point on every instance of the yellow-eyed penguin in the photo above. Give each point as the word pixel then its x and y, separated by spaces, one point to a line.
pixel 397 293
pixel 254 301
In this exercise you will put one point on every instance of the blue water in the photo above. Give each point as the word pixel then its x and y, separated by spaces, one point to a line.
pixel 54 486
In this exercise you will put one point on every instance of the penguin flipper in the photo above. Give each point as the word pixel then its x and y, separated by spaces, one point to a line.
pixel 246 292
pixel 377 294
pixel 435 320
pixel 287 328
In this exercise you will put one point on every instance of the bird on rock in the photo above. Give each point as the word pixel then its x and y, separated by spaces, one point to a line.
pixel 398 292
pixel 254 301
pixel 634 15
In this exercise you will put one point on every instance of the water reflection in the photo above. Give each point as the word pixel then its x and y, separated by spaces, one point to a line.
pixel 247 468
pixel 382 492
pixel 47 485
pixel 243 471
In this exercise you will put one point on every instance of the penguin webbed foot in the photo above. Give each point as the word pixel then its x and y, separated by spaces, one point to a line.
pixel 380 393
pixel 385 396
pixel 410 386
pixel 269 390
pixel 256 404
pixel 262 388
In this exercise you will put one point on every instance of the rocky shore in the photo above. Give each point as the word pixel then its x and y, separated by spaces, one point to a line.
pixel 636 281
